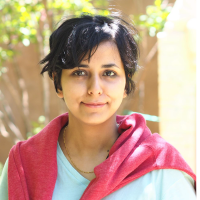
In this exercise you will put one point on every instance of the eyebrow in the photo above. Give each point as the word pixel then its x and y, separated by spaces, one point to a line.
pixel 103 66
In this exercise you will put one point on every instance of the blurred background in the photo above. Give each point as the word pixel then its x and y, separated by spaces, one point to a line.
pixel 165 84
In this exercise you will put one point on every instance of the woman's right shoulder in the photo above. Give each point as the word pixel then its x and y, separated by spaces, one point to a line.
pixel 4 182
pixel 31 143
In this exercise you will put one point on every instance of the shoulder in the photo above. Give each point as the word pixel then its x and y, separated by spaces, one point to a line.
pixel 173 184
pixel 163 179
pixel 4 182
pixel 166 178
pixel 167 184
pixel 166 156
pixel 49 134
pixel 158 185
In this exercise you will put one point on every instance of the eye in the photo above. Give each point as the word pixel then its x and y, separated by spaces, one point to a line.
pixel 79 73
pixel 109 73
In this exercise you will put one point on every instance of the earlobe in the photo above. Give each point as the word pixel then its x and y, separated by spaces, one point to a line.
pixel 60 94
pixel 125 94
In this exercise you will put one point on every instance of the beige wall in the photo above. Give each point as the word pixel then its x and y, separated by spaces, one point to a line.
pixel 177 89
pixel 11 118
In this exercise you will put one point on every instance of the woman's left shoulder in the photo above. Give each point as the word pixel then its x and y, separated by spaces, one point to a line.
pixel 161 184
pixel 170 176
pixel 174 184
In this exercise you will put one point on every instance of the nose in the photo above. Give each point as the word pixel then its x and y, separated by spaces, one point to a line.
pixel 94 86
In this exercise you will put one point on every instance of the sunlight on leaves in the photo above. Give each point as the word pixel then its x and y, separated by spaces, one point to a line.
pixel 26 42
pixel 37 126
pixel 155 18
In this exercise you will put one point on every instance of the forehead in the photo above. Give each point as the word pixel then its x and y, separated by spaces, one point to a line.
pixel 106 52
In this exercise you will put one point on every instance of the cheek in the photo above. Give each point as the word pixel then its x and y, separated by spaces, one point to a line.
pixel 116 88
pixel 73 90
pixel 73 85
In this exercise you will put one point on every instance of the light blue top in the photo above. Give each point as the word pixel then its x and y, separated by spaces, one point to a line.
pixel 163 184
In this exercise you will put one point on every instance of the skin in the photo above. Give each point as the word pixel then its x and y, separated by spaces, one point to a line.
pixel 91 132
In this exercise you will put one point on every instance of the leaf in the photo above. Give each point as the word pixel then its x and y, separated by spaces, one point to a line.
pixel 26 42
pixel 41 119
pixel 159 19
pixel 158 3
pixel 25 31
pixel 143 17
pixel 151 10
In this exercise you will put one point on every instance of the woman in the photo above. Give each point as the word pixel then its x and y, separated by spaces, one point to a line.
pixel 90 152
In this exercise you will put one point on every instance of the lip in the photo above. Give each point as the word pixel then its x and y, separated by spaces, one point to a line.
pixel 94 104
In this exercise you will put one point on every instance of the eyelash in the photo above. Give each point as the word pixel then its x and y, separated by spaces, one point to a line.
pixel 79 71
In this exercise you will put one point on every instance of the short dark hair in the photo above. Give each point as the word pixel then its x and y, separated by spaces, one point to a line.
pixel 79 36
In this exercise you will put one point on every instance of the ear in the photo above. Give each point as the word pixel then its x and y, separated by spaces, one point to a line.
pixel 125 94
pixel 60 94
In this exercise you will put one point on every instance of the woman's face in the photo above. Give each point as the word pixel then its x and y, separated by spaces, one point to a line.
pixel 100 81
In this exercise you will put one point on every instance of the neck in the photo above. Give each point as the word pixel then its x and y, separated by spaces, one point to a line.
pixel 90 140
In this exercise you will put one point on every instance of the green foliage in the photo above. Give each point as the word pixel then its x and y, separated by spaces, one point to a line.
pixel 37 126
pixel 18 20
pixel 23 21
pixel 155 17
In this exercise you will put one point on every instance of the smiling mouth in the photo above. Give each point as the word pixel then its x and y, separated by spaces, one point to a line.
pixel 94 105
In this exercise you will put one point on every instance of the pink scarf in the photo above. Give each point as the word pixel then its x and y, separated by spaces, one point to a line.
pixel 32 167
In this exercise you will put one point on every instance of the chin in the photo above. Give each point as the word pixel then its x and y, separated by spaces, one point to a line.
pixel 95 118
